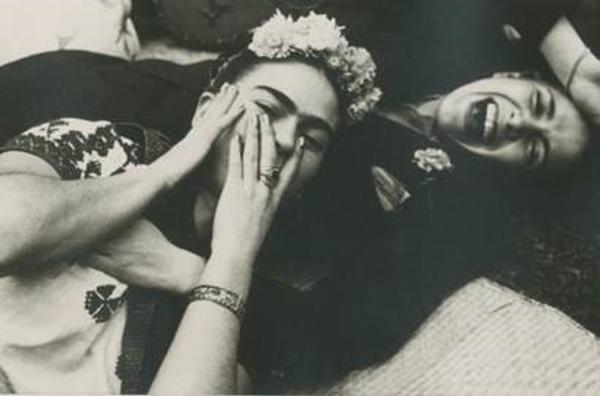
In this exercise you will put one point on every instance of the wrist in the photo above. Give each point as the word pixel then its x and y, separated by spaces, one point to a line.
pixel 177 163
pixel 235 258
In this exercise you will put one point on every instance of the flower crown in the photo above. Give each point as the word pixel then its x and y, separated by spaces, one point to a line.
pixel 317 37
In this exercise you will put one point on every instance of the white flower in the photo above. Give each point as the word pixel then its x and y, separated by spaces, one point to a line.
pixel 432 159
pixel 318 37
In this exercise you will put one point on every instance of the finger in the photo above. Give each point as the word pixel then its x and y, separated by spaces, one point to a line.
pixel 216 100
pixel 231 117
pixel 204 104
pixel 226 99
pixel 268 150
pixel 234 170
pixel 290 169
pixel 268 172
pixel 250 157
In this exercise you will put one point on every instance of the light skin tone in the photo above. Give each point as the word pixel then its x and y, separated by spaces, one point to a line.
pixel 280 123
pixel 521 123
pixel 293 110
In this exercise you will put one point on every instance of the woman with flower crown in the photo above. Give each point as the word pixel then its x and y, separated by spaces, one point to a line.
pixel 69 260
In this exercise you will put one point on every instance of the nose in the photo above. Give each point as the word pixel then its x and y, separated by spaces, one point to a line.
pixel 520 123
pixel 286 134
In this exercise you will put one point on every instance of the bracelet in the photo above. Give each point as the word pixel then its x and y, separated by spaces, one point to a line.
pixel 223 297
pixel 574 68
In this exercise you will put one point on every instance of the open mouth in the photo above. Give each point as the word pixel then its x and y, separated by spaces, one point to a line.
pixel 483 120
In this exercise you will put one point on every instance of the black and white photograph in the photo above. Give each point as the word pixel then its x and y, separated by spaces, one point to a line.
pixel 316 197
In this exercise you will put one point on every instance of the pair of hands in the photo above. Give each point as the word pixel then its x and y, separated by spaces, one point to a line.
pixel 249 199
pixel 143 256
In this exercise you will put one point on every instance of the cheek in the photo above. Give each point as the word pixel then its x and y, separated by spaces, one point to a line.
pixel 309 167
pixel 566 152
pixel 510 155
pixel 448 120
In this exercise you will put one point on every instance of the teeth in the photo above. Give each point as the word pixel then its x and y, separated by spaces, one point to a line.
pixel 490 119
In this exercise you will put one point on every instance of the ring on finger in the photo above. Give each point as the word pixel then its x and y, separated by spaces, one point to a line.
pixel 270 176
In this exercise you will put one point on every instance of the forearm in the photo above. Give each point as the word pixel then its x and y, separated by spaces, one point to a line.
pixel 203 356
pixel 43 219
pixel 562 47
pixel 48 219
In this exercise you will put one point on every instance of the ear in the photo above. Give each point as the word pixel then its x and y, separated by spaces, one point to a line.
pixel 203 102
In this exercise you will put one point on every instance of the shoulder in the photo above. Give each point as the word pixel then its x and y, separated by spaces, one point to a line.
pixel 79 149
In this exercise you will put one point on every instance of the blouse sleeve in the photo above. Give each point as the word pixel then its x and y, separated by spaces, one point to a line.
pixel 79 149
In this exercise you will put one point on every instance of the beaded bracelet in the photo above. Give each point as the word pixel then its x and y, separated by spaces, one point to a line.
pixel 574 68
pixel 223 297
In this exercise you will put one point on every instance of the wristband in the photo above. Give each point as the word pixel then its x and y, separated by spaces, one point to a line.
pixel 574 68
pixel 223 297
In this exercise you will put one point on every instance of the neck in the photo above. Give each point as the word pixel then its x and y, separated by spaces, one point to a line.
pixel 429 106
pixel 420 117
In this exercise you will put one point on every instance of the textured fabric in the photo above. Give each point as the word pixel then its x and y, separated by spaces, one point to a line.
pixel 488 340
pixel 61 328
pixel 79 149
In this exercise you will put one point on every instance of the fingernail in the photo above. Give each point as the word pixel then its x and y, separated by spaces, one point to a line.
pixel 301 143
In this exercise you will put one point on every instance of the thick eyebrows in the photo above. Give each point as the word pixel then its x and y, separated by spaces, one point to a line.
pixel 280 96
pixel 309 121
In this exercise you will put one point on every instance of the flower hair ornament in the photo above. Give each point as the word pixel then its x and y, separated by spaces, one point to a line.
pixel 318 37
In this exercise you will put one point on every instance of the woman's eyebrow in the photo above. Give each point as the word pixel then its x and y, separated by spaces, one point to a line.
pixel 309 120
pixel 280 96
pixel 313 122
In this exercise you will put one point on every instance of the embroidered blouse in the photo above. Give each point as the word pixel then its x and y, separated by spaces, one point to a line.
pixel 62 327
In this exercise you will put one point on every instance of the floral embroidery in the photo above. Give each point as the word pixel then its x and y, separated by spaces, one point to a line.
pixel 80 149
pixel 99 304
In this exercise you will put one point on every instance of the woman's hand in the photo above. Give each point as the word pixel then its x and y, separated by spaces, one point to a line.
pixel 215 115
pixel 253 190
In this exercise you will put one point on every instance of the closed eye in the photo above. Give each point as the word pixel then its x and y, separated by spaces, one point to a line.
pixel 313 143
pixel 536 102
pixel 536 152
pixel 269 109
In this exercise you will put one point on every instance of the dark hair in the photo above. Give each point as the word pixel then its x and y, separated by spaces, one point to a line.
pixel 231 67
